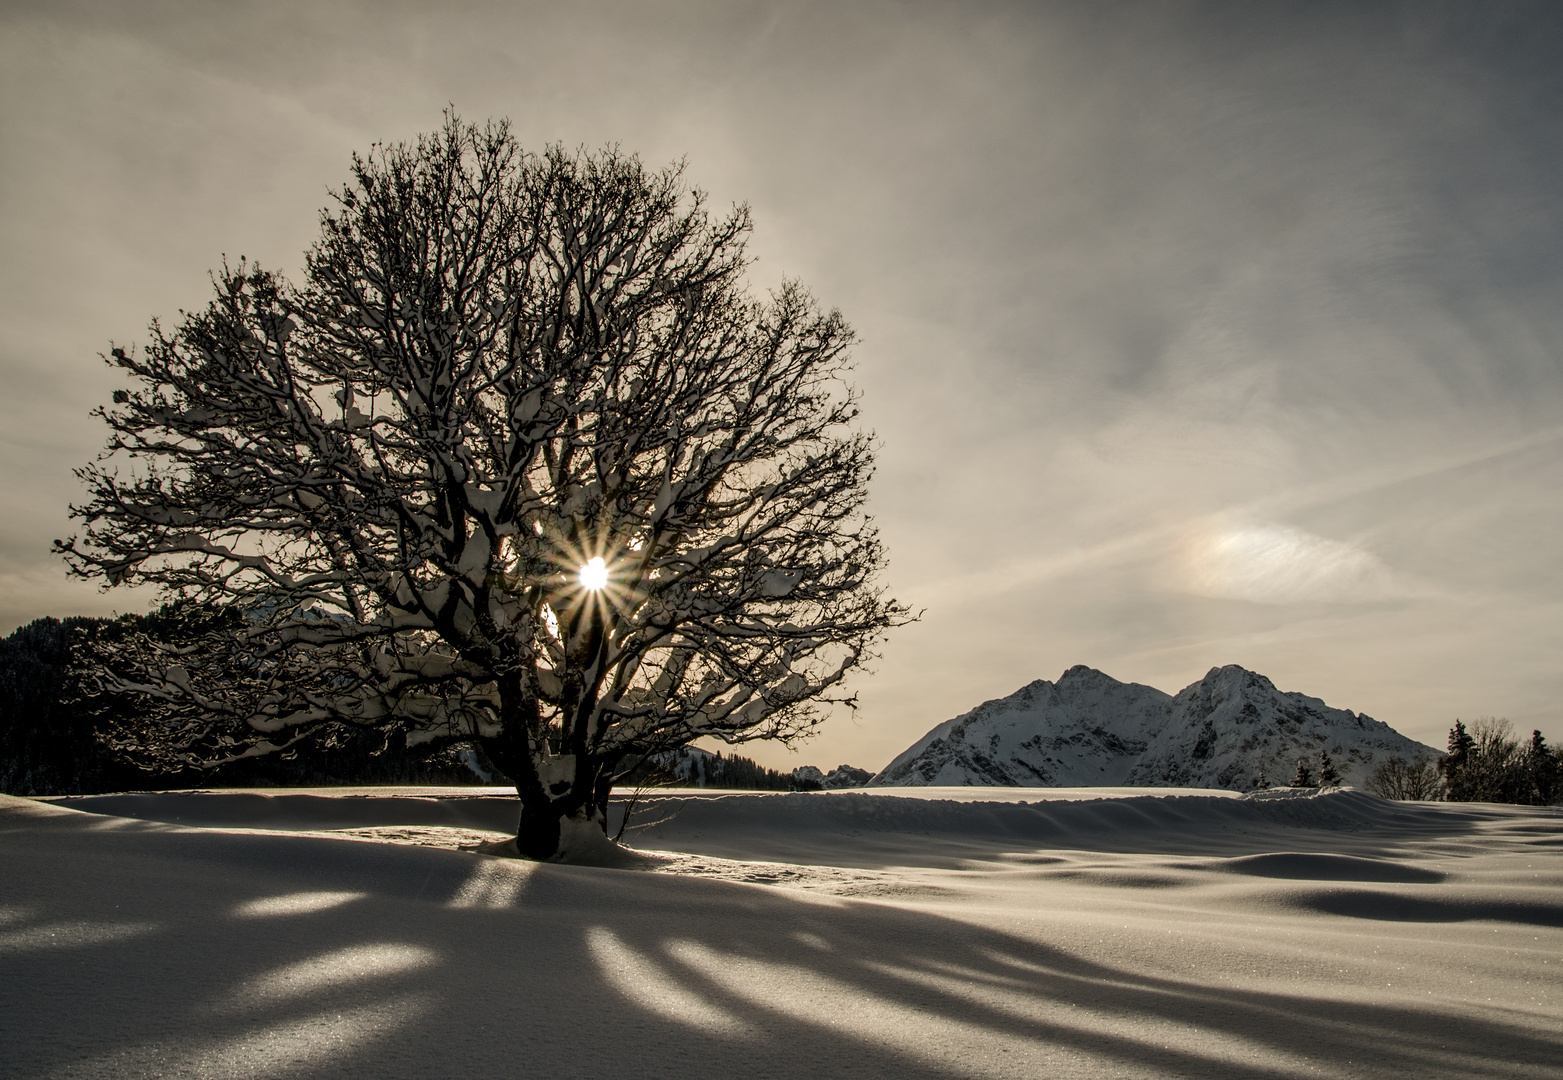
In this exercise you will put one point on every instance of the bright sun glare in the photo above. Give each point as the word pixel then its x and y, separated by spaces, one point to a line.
pixel 594 575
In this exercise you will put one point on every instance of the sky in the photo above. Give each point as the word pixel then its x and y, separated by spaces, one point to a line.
pixel 1192 333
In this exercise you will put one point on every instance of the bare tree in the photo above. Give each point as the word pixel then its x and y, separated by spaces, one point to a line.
pixel 1414 780
pixel 521 462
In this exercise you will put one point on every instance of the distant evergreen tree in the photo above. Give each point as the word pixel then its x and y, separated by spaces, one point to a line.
pixel 1541 771
pixel 1304 777
pixel 1457 784
pixel 1328 777
pixel 1261 783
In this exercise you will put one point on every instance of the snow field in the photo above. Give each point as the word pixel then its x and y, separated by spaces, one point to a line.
pixel 830 934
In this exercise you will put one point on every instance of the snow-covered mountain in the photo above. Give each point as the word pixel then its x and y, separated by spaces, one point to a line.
pixel 842 776
pixel 1089 729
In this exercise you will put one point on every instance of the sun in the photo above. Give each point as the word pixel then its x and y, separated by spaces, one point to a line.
pixel 594 575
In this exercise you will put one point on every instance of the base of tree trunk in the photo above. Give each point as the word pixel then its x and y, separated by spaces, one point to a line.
pixel 537 836
pixel 545 836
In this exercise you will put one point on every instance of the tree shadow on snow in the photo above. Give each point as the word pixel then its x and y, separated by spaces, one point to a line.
pixel 141 950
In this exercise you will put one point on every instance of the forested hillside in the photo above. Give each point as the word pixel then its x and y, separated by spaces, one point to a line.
pixel 52 744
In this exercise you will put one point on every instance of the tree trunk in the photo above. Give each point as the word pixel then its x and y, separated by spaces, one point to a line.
pixel 563 812
pixel 538 834
pixel 549 832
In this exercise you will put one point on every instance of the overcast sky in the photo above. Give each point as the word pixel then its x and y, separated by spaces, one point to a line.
pixel 1194 334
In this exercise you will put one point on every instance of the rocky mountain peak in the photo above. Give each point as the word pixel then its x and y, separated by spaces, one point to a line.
pixel 1089 729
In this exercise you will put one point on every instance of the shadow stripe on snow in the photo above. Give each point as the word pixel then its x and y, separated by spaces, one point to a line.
pixel 1399 907
pixel 1298 865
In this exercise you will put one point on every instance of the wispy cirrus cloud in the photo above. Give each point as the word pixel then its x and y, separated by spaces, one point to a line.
pixel 1280 564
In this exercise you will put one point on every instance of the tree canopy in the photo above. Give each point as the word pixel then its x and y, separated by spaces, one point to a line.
pixel 499 368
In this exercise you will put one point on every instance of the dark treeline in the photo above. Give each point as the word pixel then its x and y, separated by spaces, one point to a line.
pixel 689 767
pixel 1487 763
pixel 55 741
pixel 46 746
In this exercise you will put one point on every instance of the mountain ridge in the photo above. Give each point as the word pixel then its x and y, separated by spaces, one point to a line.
pixel 1088 729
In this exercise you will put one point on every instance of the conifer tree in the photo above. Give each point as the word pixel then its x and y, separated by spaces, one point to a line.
pixel 1541 768
pixel 1304 777
pixel 1453 766
pixel 1328 776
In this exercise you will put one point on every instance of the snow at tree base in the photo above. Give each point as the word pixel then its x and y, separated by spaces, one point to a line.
pixel 1089 729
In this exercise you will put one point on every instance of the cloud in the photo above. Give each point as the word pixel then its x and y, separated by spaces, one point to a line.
pixel 1156 303
pixel 1278 564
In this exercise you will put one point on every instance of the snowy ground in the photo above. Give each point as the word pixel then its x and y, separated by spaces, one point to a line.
pixel 900 933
